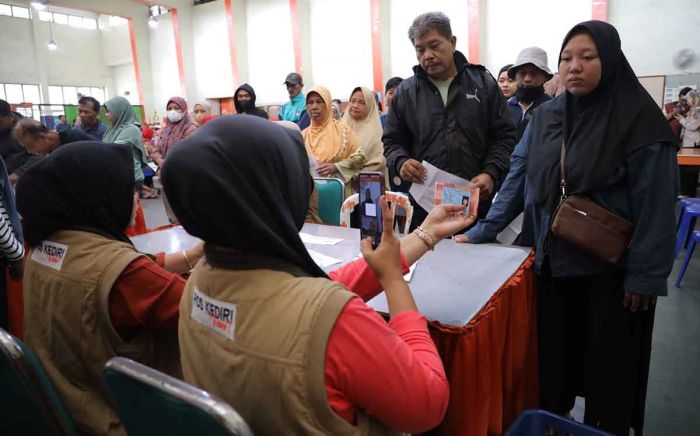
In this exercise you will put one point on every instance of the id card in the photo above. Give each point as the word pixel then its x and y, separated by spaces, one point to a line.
pixel 465 195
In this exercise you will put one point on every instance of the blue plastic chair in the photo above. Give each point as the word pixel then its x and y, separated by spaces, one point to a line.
pixel 150 402
pixel 688 217
pixel 689 253
pixel 330 198
pixel 537 422
pixel 29 403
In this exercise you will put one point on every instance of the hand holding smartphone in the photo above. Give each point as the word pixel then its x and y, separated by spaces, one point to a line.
pixel 371 223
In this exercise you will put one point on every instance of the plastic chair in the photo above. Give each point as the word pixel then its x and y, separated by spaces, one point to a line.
pixel 150 402
pixel 690 213
pixel 395 198
pixel 689 253
pixel 29 403
pixel 684 203
pixel 330 199
pixel 536 422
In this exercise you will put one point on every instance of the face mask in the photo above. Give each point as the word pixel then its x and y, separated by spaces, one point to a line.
pixel 245 105
pixel 528 94
pixel 174 116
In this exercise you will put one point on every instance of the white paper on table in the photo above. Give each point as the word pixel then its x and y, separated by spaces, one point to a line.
pixel 322 260
pixel 511 232
pixel 424 193
pixel 409 274
pixel 318 240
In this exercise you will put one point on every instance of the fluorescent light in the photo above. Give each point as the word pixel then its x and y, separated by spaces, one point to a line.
pixel 52 45
pixel 39 5
pixel 152 22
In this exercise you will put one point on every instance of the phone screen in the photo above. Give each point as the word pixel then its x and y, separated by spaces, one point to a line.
pixel 370 209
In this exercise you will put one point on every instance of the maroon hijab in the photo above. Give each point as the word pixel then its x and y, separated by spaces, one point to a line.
pixel 174 132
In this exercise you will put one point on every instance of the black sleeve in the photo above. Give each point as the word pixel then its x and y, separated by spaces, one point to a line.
pixel 396 137
pixel 502 132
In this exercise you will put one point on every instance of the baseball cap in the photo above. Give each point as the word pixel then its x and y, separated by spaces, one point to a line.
pixel 293 79
pixel 531 55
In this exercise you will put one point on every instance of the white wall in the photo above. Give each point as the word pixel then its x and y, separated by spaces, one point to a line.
pixel 512 25
pixel 270 48
pixel 116 45
pixel 164 69
pixel 341 46
pixel 211 51
pixel 125 83
pixel 403 12
pixel 653 30
pixel 18 45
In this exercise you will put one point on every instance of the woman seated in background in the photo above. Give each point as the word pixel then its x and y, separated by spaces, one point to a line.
pixel 178 126
pixel 90 295
pixel 283 332
pixel 200 111
pixel 125 128
pixel 362 115
pixel 331 142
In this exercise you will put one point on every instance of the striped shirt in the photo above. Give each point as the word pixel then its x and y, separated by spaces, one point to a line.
pixel 11 249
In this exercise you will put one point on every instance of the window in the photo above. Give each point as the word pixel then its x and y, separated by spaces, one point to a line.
pixel 14 93
pixel 55 95
pixel 6 10
pixel 60 18
pixel 45 16
pixel 71 94
pixel 117 21
pixel 31 93
pixel 98 93
pixel 20 12
pixel 157 10
pixel 90 23
pixel 75 21
pixel 2 93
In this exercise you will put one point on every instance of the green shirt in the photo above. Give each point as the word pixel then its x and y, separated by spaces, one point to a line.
pixel 443 87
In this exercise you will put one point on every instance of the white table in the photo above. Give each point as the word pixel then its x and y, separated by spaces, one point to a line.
pixel 450 284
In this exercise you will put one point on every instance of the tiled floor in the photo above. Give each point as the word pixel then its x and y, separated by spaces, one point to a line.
pixel 673 398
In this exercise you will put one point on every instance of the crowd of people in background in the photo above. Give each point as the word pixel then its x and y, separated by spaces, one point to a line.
pixel 505 134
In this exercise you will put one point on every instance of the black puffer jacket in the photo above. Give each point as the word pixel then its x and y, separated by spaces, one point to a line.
pixel 473 134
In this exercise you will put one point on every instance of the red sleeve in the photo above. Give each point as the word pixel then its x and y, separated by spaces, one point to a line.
pixel 146 295
pixel 392 372
pixel 358 277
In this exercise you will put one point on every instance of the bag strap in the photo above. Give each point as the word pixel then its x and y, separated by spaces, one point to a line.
pixel 562 172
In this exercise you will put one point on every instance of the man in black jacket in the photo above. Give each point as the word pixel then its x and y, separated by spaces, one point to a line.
pixel 450 113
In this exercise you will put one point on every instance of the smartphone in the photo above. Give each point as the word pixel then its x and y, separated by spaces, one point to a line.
pixel 371 224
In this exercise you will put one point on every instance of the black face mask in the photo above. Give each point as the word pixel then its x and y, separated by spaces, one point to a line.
pixel 245 105
pixel 528 94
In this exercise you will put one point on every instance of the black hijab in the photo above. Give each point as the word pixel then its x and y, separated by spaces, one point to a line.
pixel 601 129
pixel 242 185
pixel 81 186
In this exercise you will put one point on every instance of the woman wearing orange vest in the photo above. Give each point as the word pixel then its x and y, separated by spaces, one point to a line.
pixel 262 326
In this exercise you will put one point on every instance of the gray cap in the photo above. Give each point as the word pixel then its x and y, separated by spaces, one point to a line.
pixel 293 79
pixel 531 55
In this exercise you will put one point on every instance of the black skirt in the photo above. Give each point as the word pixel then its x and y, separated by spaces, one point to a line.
pixel 591 346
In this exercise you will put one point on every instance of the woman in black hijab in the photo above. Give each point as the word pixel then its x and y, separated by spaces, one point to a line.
pixel 242 185
pixel 596 318
pixel 89 295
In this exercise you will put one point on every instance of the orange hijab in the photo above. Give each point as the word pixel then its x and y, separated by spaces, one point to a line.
pixel 330 140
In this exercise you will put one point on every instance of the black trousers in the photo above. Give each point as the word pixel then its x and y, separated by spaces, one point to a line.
pixel 591 346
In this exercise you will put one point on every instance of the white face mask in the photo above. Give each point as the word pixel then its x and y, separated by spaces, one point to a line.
pixel 174 116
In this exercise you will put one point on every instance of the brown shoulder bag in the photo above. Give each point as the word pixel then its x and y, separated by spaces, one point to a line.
pixel 589 227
